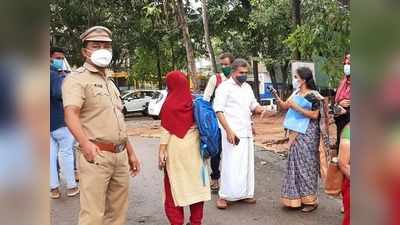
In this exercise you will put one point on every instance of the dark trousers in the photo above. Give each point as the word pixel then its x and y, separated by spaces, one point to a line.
pixel 215 161
pixel 341 121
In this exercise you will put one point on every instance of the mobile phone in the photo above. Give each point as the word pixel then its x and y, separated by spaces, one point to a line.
pixel 272 90
pixel 237 140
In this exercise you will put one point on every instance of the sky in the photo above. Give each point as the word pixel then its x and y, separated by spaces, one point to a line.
pixel 195 3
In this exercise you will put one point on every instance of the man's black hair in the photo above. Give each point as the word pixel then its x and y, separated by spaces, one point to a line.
pixel 56 49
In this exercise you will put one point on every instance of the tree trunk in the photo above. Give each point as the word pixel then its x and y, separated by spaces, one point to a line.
pixel 207 35
pixel 246 5
pixel 159 75
pixel 272 74
pixel 173 56
pixel 296 14
pixel 182 22
pixel 284 70
pixel 256 80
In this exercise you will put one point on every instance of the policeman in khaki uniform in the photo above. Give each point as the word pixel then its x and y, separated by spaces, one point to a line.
pixel 93 114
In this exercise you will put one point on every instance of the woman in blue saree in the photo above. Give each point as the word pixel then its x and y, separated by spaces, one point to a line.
pixel 300 183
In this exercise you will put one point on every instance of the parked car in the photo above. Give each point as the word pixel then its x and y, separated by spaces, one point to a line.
pixel 270 103
pixel 137 100
pixel 156 103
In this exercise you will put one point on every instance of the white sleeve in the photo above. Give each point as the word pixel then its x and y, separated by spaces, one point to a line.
pixel 221 97
pixel 253 102
pixel 208 92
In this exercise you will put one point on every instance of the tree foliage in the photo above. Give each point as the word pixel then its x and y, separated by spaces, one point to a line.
pixel 325 33
pixel 148 41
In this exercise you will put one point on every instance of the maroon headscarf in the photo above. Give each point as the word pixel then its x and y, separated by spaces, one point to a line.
pixel 177 111
pixel 343 91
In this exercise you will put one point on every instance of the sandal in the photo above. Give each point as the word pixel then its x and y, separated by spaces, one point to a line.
pixel 222 204
pixel 214 185
pixel 309 208
pixel 250 200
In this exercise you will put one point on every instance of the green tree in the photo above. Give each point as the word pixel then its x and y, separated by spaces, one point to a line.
pixel 325 33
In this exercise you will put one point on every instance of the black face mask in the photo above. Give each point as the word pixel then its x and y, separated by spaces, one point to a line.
pixel 242 78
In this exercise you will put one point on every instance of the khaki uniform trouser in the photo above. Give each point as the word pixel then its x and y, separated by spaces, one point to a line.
pixel 104 189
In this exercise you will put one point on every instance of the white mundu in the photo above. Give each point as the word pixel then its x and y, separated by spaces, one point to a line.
pixel 237 162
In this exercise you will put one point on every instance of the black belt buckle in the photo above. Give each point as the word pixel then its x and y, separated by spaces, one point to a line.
pixel 119 148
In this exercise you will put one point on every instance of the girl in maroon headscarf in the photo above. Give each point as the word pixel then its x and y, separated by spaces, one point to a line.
pixel 179 154
pixel 343 98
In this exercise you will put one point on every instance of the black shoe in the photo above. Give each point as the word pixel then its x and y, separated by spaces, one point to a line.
pixel 309 208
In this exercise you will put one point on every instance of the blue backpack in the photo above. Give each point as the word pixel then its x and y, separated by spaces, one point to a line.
pixel 207 123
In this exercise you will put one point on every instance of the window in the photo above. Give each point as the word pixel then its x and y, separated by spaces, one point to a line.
pixel 156 95
pixel 136 95
pixel 127 96
pixel 149 94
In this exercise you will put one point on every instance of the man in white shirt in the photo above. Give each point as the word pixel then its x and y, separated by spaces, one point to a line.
pixel 234 104
pixel 225 60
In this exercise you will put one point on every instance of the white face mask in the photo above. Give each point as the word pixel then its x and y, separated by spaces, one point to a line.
pixel 346 69
pixel 101 57
pixel 296 83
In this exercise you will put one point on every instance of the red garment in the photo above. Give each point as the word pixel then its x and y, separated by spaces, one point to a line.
pixel 174 213
pixel 343 91
pixel 219 80
pixel 394 204
pixel 177 111
pixel 346 200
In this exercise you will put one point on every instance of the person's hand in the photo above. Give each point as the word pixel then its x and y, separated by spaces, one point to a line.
pixel 345 103
pixel 293 105
pixel 231 136
pixel 263 113
pixel 290 103
pixel 162 158
pixel 89 150
pixel 134 165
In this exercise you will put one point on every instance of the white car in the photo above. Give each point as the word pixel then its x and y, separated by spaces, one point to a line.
pixel 137 100
pixel 156 103
pixel 270 104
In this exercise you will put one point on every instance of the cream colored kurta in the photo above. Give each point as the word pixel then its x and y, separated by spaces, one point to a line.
pixel 184 166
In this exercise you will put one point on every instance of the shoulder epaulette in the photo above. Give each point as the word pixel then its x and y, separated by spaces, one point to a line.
pixel 81 69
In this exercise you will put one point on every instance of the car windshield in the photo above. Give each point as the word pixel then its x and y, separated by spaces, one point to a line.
pixel 156 95
pixel 123 93
pixel 126 94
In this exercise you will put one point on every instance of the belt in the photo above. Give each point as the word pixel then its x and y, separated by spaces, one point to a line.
pixel 110 147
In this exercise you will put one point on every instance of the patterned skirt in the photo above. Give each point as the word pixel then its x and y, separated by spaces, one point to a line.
pixel 300 183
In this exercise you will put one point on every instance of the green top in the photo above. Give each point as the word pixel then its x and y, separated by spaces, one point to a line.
pixel 346 133
pixel 395 134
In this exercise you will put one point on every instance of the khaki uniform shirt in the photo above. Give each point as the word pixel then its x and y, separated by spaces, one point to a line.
pixel 99 102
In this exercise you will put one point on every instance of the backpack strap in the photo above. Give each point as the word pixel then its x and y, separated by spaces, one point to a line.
pixel 219 79
pixel 218 82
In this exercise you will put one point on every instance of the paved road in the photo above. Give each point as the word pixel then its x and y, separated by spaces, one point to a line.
pixel 145 205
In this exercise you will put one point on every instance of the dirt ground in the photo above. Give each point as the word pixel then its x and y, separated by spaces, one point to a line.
pixel 145 193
